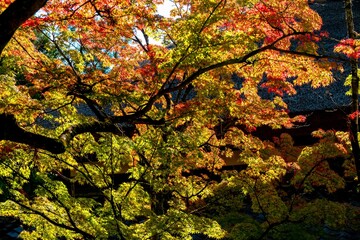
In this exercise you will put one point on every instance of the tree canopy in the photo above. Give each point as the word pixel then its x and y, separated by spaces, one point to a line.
pixel 143 112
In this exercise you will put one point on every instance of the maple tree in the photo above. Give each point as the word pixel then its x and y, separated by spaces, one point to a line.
pixel 166 115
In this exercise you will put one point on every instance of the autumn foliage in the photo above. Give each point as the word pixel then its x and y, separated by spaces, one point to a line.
pixel 122 123
pixel 350 47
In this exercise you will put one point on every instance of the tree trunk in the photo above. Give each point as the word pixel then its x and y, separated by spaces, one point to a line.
pixel 354 122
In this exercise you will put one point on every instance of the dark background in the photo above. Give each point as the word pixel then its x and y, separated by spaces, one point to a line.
pixel 333 96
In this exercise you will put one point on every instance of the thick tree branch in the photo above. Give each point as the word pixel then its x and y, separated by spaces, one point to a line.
pixel 10 20
pixel 11 131
pixel 14 16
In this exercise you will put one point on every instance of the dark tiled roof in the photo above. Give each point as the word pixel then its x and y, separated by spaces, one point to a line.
pixel 333 96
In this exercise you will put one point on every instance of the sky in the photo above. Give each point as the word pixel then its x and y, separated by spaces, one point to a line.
pixel 164 9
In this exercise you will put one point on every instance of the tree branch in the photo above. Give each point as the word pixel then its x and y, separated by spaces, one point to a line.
pixel 11 131
pixel 43 215
pixel 14 16
pixel 354 123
